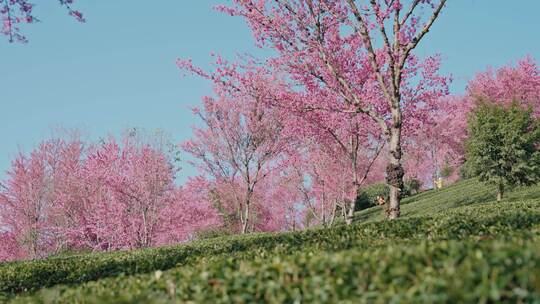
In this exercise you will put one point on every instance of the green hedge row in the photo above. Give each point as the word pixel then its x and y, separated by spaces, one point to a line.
pixel 455 224
pixel 464 271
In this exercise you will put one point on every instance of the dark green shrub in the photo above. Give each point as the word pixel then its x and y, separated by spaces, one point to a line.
pixel 363 202
pixel 412 186
pixel 446 171
pixel 465 172
pixel 368 196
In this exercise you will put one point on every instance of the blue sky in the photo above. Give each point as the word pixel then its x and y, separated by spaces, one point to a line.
pixel 117 70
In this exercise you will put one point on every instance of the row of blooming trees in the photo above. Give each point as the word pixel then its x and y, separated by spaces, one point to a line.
pixel 356 59
pixel 268 162
pixel 355 87
pixel 257 124
pixel 68 195
pixel 345 76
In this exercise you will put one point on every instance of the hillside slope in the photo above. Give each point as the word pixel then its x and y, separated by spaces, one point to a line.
pixel 494 247
pixel 460 194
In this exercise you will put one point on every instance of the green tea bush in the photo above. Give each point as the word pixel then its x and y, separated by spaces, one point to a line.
pixel 465 271
pixel 213 233
pixel 461 222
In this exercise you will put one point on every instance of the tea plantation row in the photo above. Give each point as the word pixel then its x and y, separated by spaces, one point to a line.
pixel 464 271
pixel 238 265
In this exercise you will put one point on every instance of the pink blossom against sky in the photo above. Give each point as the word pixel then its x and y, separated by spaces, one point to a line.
pixel 118 69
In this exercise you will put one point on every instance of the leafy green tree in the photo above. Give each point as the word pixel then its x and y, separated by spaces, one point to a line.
pixel 503 148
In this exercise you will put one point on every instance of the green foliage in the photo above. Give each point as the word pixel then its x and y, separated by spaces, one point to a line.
pixel 503 146
pixel 446 171
pixel 368 195
pixel 465 172
pixel 493 271
pixel 412 186
pixel 496 256
pixel 431 202
pixel 493 246
pixel 213 233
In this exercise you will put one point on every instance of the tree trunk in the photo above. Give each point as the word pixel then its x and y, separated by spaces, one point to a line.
pixel 394 172
pixel 245 221
pixel 352 204
pixel 333 215
pixel 323 211
pixel 33 244
pixel 350 212
pixel 500 192
pixel 356 185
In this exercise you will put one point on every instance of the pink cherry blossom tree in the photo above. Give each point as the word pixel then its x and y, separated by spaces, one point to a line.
pixel 439 142
pixel 508 83
pixel 275 203
pixel 323 187
pixel 29 197
pixel 242 138
pixel 9 247
pixel 13 13
pixel 349 141
pixel 278 200
pixel 192 212
pixel 135 185
pixel 70 195
pixel 24 204
pixel 361 53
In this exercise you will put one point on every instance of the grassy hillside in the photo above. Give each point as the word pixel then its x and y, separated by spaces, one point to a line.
pixel 452 245
pixel 460 194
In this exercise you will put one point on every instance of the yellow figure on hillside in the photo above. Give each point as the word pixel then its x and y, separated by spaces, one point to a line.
pixel 438 183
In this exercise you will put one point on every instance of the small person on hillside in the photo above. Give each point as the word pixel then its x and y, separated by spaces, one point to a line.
pixel 438 183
